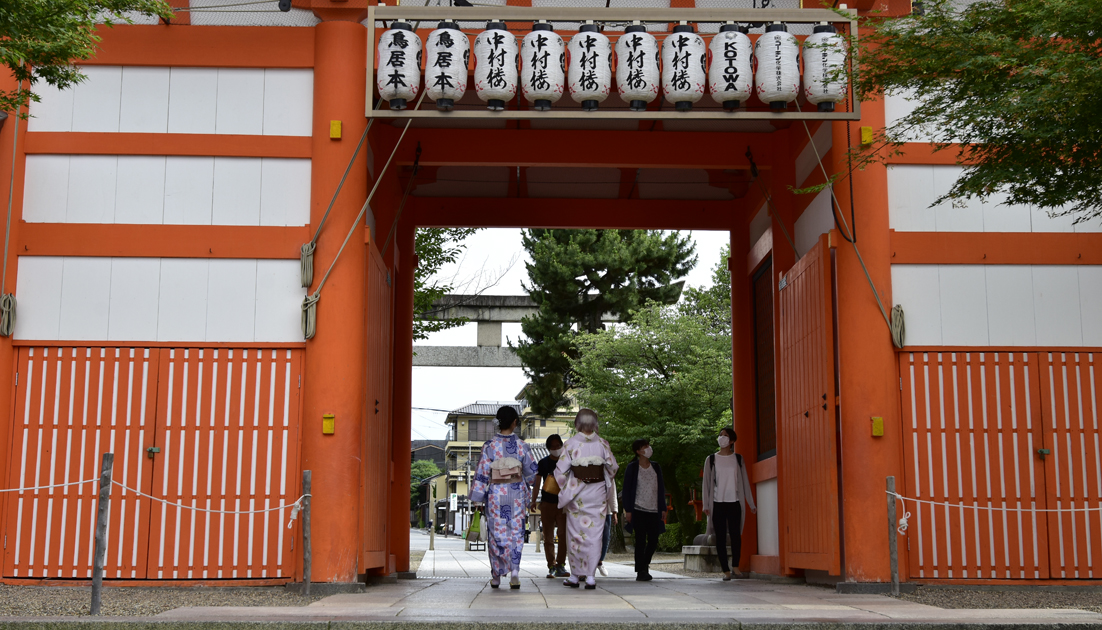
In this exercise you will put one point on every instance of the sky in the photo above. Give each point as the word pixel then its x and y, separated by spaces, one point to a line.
pixel 495 256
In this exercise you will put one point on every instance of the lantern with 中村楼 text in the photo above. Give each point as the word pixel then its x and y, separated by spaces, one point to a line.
pixel 730 76
pixel 777 71
pixel 637 60
pixel 448 51
pixel 399 65
pixel 542 66
pixel 589 67
pixel 824 59
pixel 495 65
pixel 684 67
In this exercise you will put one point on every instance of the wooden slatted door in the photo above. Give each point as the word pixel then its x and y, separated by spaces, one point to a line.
pixel 376 428
pixel 807 436
pixel 227 427
pixel 72 405
pixel 1073 467
pixel 971 423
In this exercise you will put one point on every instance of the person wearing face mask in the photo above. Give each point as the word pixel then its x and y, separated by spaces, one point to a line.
pixel 551 517
pixel 644 506
pixel 726 496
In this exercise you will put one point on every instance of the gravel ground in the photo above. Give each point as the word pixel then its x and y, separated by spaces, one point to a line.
pixel 36 601
pixel 1029 598
pixel 415 558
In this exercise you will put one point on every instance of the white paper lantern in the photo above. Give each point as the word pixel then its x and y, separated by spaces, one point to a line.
pixel 542 66
pixel 684 67
pixel 495 65
pixel 589 67
pixel 730 75
pixel 448 52
pixel 777 77
pixel 399 65
pixel 824 56
pixel 637 61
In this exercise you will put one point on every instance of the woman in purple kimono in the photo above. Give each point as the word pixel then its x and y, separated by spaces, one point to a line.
pixel 502 483
pixel 586 475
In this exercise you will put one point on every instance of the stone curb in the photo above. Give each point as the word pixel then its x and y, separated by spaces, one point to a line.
pixel 132 623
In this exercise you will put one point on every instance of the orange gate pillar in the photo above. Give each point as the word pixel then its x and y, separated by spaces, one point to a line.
pixel 742 368
pixel 868 369
pixel 403 395
pixel 335 362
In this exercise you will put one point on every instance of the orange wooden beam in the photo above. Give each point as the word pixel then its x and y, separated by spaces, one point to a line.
pixel 81 143
pixel 924 153
pixel 205 46
pixel 996 248
pixel 160 241
pixel 657 214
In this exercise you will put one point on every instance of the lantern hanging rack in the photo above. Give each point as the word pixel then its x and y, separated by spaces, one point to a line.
pixel 382 14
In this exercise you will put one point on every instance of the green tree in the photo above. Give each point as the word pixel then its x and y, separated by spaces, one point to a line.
pixel 578 276
pixel 1016 83
pixel 665 375
pixel 43 38
pixel 434 248
pixel 419 471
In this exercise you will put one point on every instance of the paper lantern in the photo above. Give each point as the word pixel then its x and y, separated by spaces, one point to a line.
pixel 495 65
pixel 589 67
pixel 684 67
pixel 824 57
pixel 637 60
pixel 730 76
pixel 448 52
pixel 777 76
pixel 399 65
pixel 542 66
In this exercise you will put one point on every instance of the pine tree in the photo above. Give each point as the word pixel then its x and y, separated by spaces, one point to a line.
pixel 577 277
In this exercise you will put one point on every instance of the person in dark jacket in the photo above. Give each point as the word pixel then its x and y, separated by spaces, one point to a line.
pixel 644 506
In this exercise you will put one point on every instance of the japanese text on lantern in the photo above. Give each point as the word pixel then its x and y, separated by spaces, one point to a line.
pixel 396 59
pixel 635 80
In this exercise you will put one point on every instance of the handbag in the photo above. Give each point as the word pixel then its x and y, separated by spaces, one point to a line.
pixel 474 530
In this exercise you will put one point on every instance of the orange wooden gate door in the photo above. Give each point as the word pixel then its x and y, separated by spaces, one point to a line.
pixel 807 435
pixel 226 423
pixel 1069 390
pixel 972 421
pixel 376 430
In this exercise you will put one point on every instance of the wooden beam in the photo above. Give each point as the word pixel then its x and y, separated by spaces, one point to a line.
pixel 160 241
pixel 658 214
pixel 205 46
pixel 996 248
pixel 86 143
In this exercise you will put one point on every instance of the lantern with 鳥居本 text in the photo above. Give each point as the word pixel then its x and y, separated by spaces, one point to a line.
pixel 447 53
pixel 495 65
pixel 542 66
pixel 637 60
pixel 399 78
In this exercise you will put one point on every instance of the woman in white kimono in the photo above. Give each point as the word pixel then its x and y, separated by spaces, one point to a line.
pixel 585 473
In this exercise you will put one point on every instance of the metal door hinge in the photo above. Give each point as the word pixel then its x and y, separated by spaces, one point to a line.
pixel 5 541
pixel 900 383
pixel 783 283
pixel 300 381
pixel 17 379
pixel 152 451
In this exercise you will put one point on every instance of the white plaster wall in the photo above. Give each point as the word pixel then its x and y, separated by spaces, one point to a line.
pixel 239 101
pixel 816 220
pixel 760 224
pixel 1000 305
pixel 158 299
pixel 807 162
pixel 913 188
pixel 769 542
pixel 154 189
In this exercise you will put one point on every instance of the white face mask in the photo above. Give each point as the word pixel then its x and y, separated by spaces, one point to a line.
pixel 647 452
pixel 723 441
pixel 556 452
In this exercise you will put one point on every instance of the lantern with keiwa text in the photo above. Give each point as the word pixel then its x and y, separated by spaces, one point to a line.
pixel 684 67
pixel 777 70
pixel 589 67
pixel 542 66
pixel 637 60
pixel 824 58
pixel 448 51
pixel 730 75
pixel 495 65
pixel 399 65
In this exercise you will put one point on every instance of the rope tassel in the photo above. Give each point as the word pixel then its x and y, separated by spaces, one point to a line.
pixel 7 314
pixel 310 315
pixel 306 263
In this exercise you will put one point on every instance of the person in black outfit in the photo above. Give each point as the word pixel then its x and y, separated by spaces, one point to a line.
pixel 551 517
pixel 644 506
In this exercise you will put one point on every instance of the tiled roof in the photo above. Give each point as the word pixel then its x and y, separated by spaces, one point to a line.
pixel 488 408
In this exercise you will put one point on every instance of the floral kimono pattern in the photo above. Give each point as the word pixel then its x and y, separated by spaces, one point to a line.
pixel 586 504
pixel 506 503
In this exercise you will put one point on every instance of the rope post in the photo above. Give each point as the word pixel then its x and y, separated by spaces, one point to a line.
pixel 893 551
pixel 306 550
pixel 103 511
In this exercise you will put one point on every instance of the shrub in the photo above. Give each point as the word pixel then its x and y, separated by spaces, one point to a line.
pixel 670 540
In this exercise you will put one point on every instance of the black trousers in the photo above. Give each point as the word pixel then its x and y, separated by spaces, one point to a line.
pixel 727 519
pixel 647 526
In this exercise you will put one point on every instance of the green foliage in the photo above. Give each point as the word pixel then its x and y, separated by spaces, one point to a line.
pixel 665 376
pixel 1019 83
pixel 670 540
pixel 43 38
pixel 579 275
pixel 434 248
pixel 420 470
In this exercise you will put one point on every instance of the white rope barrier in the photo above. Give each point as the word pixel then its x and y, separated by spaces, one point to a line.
pixel 906 515
pixel 298 503
pixel 56 485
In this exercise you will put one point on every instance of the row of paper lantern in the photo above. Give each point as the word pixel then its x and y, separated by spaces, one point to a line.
pixel 546 70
